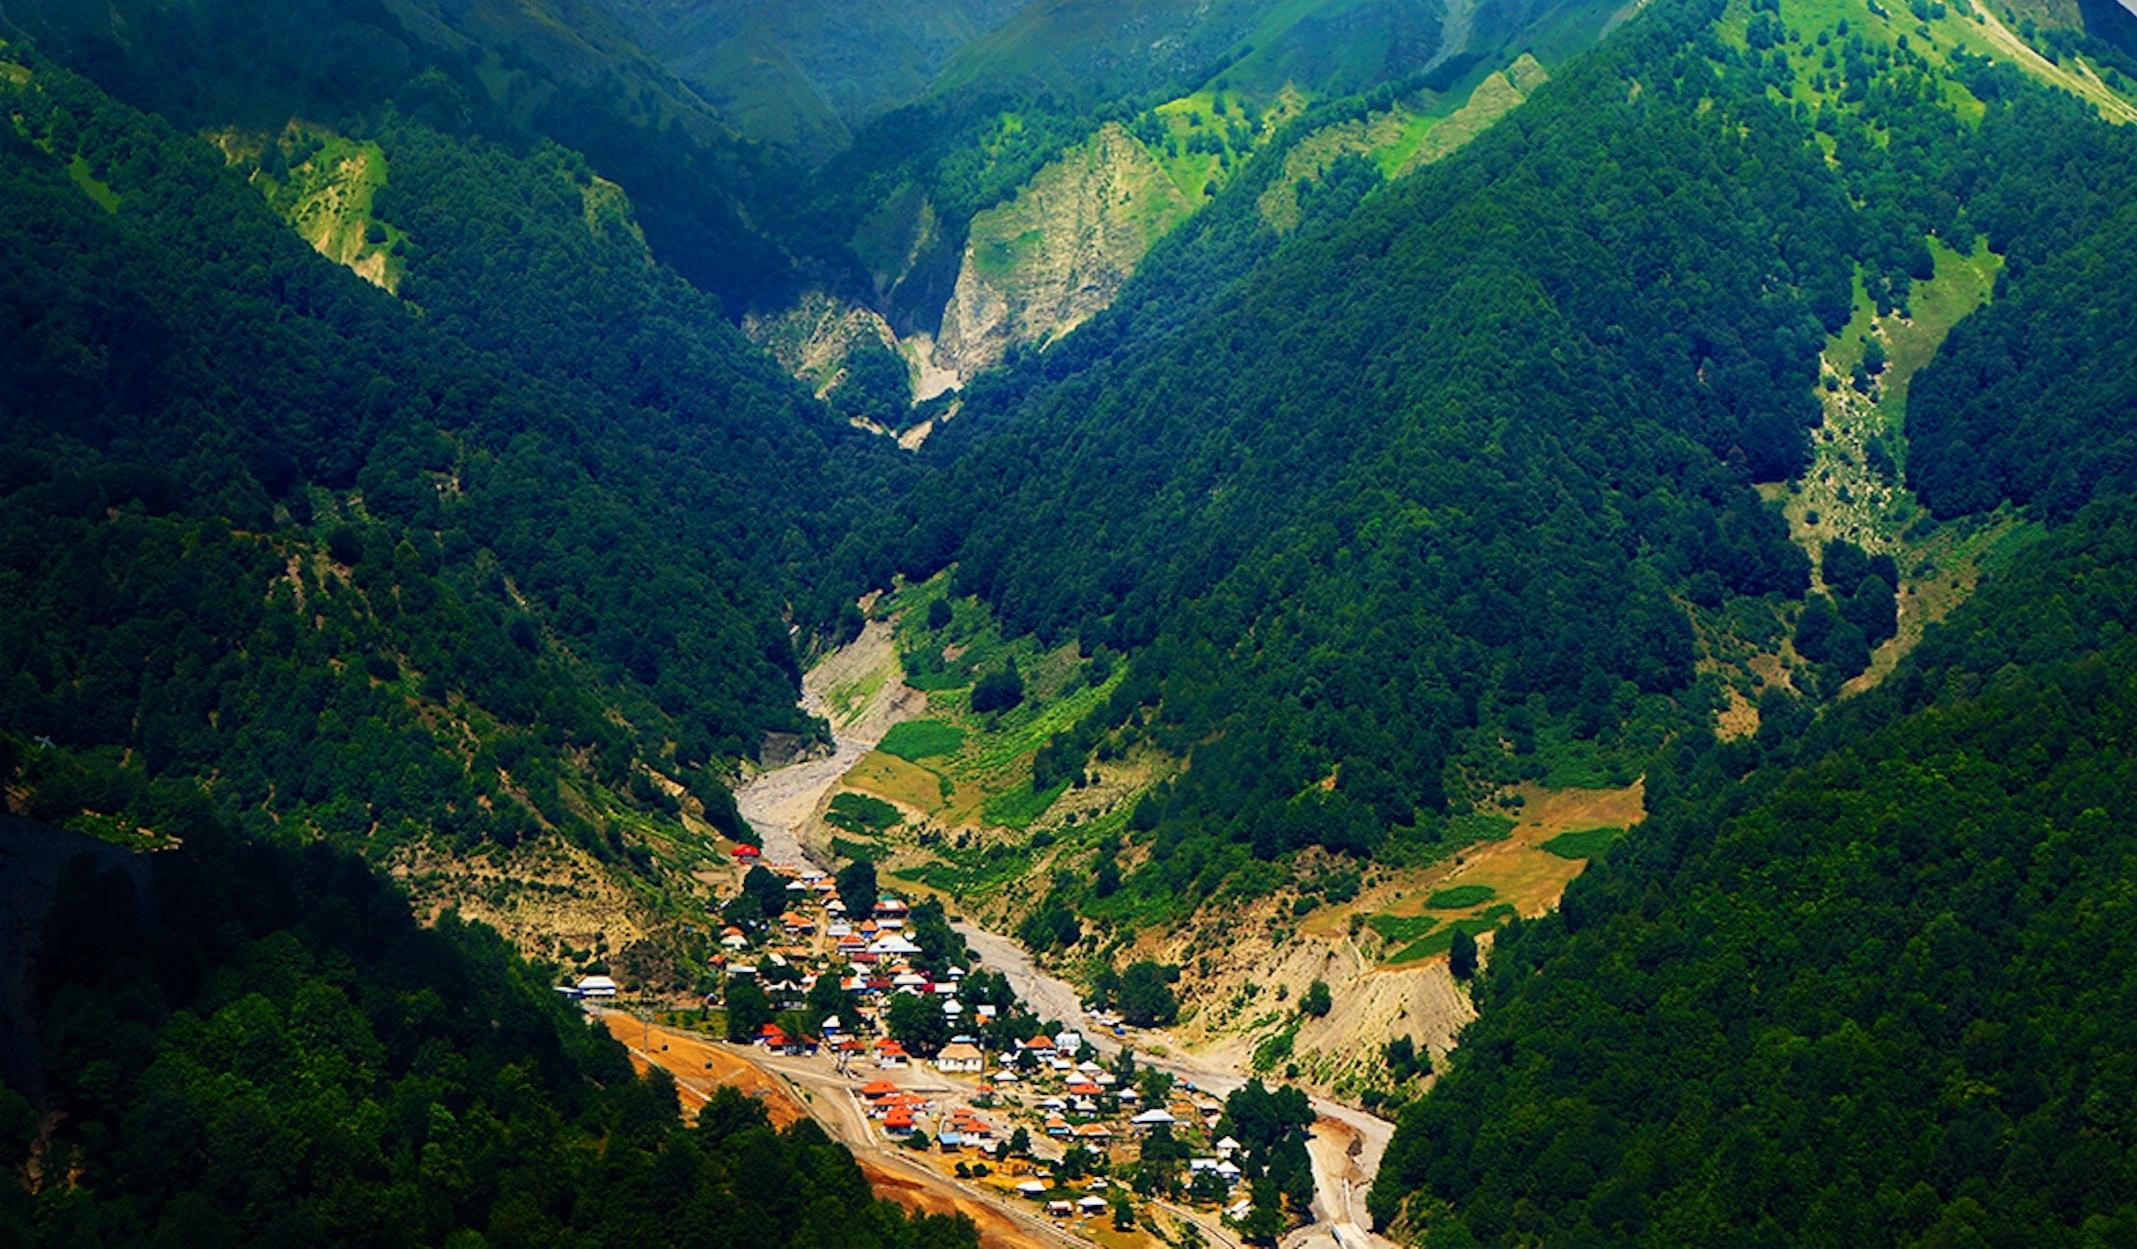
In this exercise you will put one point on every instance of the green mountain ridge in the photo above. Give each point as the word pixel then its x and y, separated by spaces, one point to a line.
pixel 476 568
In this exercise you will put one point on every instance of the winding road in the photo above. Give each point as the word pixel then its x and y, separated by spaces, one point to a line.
pixel 1347 1144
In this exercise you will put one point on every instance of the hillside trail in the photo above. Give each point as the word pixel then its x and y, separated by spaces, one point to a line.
pixel 1347 1144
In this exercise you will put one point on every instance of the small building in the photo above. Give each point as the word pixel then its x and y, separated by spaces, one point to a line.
pixel 960 1058
pixel 1061 1209
pixel 746 853
pixel 596 987
pixel 1091 1205
pixel 1156 1116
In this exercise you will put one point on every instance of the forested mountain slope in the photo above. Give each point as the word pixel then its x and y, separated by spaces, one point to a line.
pixel 462 570
pixel 1861 983
pixel 1320 485
pixel 803 76
pixel 1002 206
pixel 1298 512
pixel 557 70
pixel 255 1046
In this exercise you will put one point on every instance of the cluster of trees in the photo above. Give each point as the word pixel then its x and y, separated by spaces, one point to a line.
pixel 1859 610
pixel 1142 992
pixel 243 1045
pixel 1853 980
pixel 1270 1126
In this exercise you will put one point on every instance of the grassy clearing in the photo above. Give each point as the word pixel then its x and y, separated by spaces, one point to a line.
pixel 1497 95
pixel 1460 897
pixel 862 815
pixel 1021 808
pixel 1402 928
pixel 1410 135
pixel 1411 912
pixel 902 782
pixel 1440 942
pixel 1201 140
pixel 1586 843
pixel 914 740
pixel 106 198
pixel 326 193
pixel 1853 487
pixel 1975 29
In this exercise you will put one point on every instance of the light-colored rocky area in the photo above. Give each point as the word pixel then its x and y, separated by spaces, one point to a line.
pixel 1039 266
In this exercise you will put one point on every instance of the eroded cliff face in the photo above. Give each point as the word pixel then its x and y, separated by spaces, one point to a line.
pixel 813 338
pixel 1039 266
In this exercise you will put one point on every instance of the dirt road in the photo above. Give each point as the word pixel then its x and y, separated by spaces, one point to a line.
pixel 793 1089
pixel 1347 1143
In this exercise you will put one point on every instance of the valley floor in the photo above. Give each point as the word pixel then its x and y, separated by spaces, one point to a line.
pixel 1347 1143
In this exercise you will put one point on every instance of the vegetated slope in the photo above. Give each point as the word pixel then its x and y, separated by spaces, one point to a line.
pixel 256 1046
pixel 464 575
pixel 2034 400
pixel 1038 105
pixel 1037 266
pixel 802 75
pixel 1356 525
pixel 561 70
pixel 1187 404
pixel 1861 984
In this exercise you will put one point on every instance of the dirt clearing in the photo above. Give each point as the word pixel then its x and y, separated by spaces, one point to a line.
pixel 699 1067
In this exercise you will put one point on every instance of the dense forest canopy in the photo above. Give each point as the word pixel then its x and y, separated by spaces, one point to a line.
pixel 272 526
pixel 1861 982
pixel 253 1046
pixel 1336 462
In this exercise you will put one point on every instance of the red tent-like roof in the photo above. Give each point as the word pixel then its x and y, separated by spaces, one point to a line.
pixel 745 852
